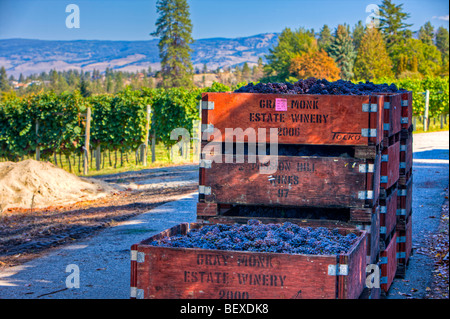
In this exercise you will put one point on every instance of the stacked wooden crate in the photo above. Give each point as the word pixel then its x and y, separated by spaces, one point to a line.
pixel 331 161
pixel 339 159
pixel 404 195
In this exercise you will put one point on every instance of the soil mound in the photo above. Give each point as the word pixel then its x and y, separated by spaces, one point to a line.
pixel 31 183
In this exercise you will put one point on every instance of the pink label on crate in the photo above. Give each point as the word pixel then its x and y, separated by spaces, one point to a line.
pixel 280 104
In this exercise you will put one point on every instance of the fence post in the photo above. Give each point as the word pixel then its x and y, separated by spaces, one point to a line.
pixel 38 149
pixel 98 157
pixel 147 129
pixel 153 140
pixel 427 101
pixel 86 143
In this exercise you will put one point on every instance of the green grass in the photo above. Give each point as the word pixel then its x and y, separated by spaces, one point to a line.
pixel 128 162
pixel 434 126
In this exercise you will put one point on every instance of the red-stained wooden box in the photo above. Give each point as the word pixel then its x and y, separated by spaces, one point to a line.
pixel 298 119
pixel 404 245
pixel 311 181
pixel 388 262
pixel 390 162
pixel 189 273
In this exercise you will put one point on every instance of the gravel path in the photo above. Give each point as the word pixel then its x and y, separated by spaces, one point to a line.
pixel 104 259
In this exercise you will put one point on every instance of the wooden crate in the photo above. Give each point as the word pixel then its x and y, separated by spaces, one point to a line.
pixel 404 245
pixel 298 181
pixel 407 110
pixel 390 162
pixel 189 273
pixel 298 118
pixel 388 262
pixel 388 212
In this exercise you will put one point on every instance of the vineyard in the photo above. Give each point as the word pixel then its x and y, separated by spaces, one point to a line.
pixel 52 127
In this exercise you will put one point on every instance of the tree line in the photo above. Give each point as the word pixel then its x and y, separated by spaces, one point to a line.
pixel 385 48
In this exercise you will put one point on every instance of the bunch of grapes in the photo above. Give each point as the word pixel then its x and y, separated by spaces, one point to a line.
pixel 254 236
pixel 320 86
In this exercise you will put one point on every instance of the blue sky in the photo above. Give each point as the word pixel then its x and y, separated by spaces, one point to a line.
pixel 135 19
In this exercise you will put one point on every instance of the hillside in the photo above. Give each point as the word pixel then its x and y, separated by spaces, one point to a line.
pixel 30 56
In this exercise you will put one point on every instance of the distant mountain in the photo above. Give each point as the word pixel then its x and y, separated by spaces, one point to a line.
pixel 29 56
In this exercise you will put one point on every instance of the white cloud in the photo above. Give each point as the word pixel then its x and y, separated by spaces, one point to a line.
pixel 445 18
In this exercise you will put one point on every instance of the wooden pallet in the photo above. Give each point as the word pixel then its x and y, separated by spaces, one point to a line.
pixel 181 273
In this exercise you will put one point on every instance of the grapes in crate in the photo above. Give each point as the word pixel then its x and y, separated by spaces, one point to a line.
pixel 320 86
pixel 255 236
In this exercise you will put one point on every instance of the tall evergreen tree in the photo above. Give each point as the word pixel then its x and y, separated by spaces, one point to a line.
pixel 325 38
pixel 372 60
pixel 357 34
pixel 4 83
pixel 442 43
pixel 174 29
pixel 84 86
pixel 392 23
pixel 426 33
pixel 246 72
pixel 343 52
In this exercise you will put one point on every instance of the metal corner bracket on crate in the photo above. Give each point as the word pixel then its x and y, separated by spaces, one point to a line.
pixel 205 163
pixel 205 190
pixel 366 168
pixel 137 256
pixel 136 293
pixel 366 107
pixel 207 105
pixel 365 194
pixel 369 132
pixel 338 270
